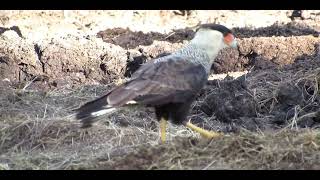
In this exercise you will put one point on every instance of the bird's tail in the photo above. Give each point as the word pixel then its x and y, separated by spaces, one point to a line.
pixel 88 112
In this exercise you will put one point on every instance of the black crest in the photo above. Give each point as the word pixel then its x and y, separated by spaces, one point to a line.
pixel 224 30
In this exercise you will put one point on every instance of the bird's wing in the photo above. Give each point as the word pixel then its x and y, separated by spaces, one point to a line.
pixel 160 82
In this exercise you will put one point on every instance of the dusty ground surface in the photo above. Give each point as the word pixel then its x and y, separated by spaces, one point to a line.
pixel 53 61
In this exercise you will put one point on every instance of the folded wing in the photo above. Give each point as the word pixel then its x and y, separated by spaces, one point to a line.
pixel 170 81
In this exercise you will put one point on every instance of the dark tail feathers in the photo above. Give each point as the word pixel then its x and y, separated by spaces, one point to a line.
pixel 84 113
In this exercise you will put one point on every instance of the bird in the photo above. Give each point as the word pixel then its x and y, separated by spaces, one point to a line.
pixel 296 14
pixel 169 84
pixel 183 12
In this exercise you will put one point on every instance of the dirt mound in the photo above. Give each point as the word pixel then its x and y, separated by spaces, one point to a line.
pixel 274 97
pixel 18 58
pixel 61 62
pixel 229 100
pixel 72 60
pixel 277 29
pixel 128 39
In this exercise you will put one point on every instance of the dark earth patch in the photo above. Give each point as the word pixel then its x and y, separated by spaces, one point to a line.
pixel 268 95
pixel 128 39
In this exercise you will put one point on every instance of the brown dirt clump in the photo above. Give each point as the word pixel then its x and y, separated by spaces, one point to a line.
pixel 278 29
pixel 280 50
pixel 92 62
pixel 128 39
pixel 18 58
pixel 270 98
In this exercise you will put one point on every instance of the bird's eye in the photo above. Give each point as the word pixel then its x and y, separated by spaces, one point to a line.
pixel 228 38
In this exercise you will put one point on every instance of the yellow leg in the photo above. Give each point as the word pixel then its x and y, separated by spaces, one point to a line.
pixel 203 132
pixel 163 127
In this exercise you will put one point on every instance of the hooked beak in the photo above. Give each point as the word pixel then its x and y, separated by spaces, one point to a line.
pixel 234 44
pixel 230 40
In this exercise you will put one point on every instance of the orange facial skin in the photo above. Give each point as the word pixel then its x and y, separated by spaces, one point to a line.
pixel 228 39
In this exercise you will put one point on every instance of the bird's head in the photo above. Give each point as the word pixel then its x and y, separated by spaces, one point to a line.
pixel 213 38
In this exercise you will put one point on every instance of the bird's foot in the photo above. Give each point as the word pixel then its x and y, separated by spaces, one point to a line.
pixel 203 132
pixel 163 127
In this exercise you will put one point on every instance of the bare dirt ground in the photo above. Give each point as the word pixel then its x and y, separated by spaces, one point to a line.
pixel 264 96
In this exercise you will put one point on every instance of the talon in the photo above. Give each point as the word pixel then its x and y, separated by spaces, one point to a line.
pixel 163 127
pixel 203 132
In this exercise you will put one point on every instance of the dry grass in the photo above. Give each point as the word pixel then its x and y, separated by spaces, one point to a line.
pixel 265 84
pixel 285 150
pixel 298 88
pixel 38 133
